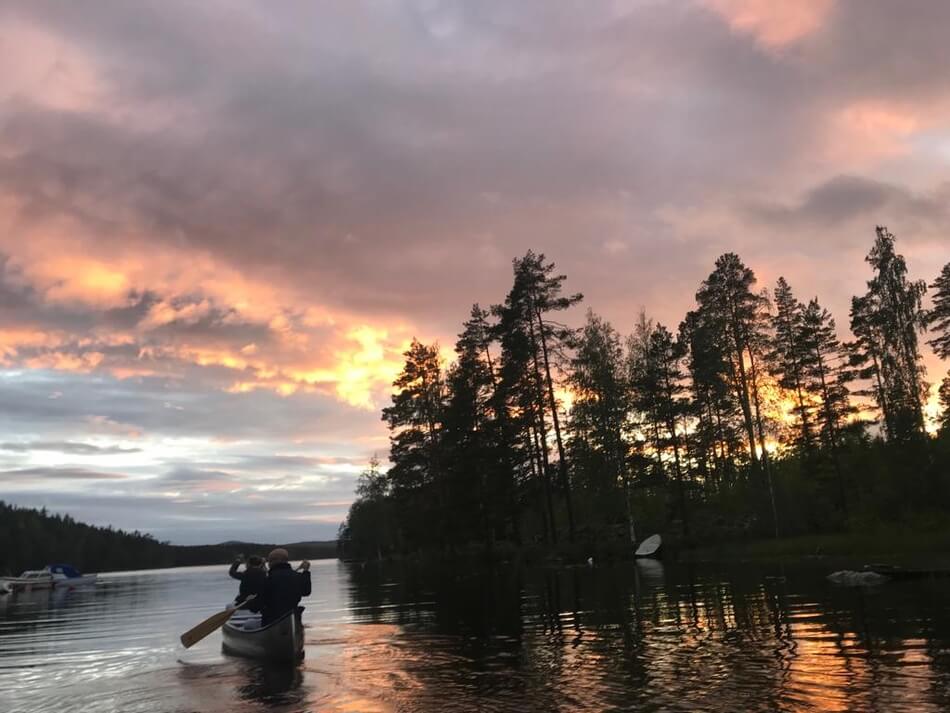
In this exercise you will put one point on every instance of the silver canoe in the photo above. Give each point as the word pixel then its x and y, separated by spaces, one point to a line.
pixel 281 640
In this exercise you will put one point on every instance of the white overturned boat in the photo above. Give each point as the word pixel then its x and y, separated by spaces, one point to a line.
pixel 650 547
pixel 65 575
pixel 281 640
pixel 31 580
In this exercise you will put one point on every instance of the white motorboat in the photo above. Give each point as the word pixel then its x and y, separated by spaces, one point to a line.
pixel 30 581
pixel 281 640
pixel 65 575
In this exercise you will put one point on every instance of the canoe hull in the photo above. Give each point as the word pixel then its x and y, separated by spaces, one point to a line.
pixel 280 641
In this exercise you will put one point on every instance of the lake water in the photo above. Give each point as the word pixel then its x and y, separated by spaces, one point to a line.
pixel 628 637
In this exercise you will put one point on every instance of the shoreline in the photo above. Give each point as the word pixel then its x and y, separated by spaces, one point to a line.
pixel 893 546
pixel 899 547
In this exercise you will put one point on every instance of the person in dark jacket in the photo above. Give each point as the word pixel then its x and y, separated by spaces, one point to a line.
pixel 285 587
pixel 253 581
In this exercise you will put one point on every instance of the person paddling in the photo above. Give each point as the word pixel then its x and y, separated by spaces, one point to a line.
pixel 284 588
pixel 253 580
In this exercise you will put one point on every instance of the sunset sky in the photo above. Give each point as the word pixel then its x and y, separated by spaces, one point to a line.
pixel 221 222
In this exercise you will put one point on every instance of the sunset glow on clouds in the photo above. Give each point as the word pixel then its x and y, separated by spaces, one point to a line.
pixel 222 223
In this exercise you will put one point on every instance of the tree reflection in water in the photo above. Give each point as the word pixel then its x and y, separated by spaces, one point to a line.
pixel 644 637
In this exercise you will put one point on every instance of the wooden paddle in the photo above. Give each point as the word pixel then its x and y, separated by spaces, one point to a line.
pixel 209 625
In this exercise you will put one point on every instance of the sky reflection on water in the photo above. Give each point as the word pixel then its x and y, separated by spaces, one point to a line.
pixel 625 637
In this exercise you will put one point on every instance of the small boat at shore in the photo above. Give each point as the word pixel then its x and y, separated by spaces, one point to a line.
pixel 52 576
pixel 650 547
pixel 281 640
pixel 65 575
pixel 31 580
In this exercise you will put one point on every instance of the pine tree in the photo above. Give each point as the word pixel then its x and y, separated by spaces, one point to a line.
pixel 717 414
pixel 478 471
pixel 824 374
pixel 938 319
pixel 536 293
pixel 520 396
pixel 868 358
pixel 599 413
pixel 644 383
pixel 664 357
pixel 943 397
pixel 415 424
pixel 730 306
pixel 886 321
pixel 787 356
pixel 367 529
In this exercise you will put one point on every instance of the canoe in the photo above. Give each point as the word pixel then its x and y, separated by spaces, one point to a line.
pixel 649 547
pixel 281 640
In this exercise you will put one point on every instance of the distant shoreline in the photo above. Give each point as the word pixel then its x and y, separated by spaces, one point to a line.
pixel 206 564
pixel 34 538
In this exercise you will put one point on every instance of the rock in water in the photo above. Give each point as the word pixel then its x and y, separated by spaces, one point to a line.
pixel 850 578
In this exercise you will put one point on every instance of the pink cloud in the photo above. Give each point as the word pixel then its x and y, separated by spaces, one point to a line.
pixel 774 24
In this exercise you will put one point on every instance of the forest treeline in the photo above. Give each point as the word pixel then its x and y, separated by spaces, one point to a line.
pixel 32 539
pixel 750 418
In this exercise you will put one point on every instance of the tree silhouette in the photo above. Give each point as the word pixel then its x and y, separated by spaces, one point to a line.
pixel 938 318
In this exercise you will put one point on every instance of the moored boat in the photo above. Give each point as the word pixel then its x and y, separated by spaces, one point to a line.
pixel 69 576
pixel 281 640
pixel 649 547
pixel 30 581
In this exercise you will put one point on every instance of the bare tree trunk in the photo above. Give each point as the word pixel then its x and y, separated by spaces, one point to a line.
pixel 562 459
pixel 765 457
pixel 541 451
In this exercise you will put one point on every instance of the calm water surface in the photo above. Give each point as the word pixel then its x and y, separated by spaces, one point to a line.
pixel 629 637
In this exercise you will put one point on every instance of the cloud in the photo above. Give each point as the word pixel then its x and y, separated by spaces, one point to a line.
pixel 844 199
pixel 221 224
pixel 57 473
pixel 66 447
pixel 773 24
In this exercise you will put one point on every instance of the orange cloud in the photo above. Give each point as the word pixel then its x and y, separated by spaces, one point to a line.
pixel 294 345
pixel 866 131
pixel 773 24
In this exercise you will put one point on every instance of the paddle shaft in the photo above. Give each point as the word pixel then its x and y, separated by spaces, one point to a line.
pixel 210 625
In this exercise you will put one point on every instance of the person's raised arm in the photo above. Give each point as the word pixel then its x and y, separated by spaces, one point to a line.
pixel 304 579
pixel 233 572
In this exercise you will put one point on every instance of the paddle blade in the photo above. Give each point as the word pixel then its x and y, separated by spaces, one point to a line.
pixel 208 626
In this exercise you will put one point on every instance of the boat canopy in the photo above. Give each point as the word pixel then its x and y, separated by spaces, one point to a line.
pixel 66 569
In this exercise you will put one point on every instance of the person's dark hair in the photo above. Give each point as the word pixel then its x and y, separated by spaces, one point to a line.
pixel 255 561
